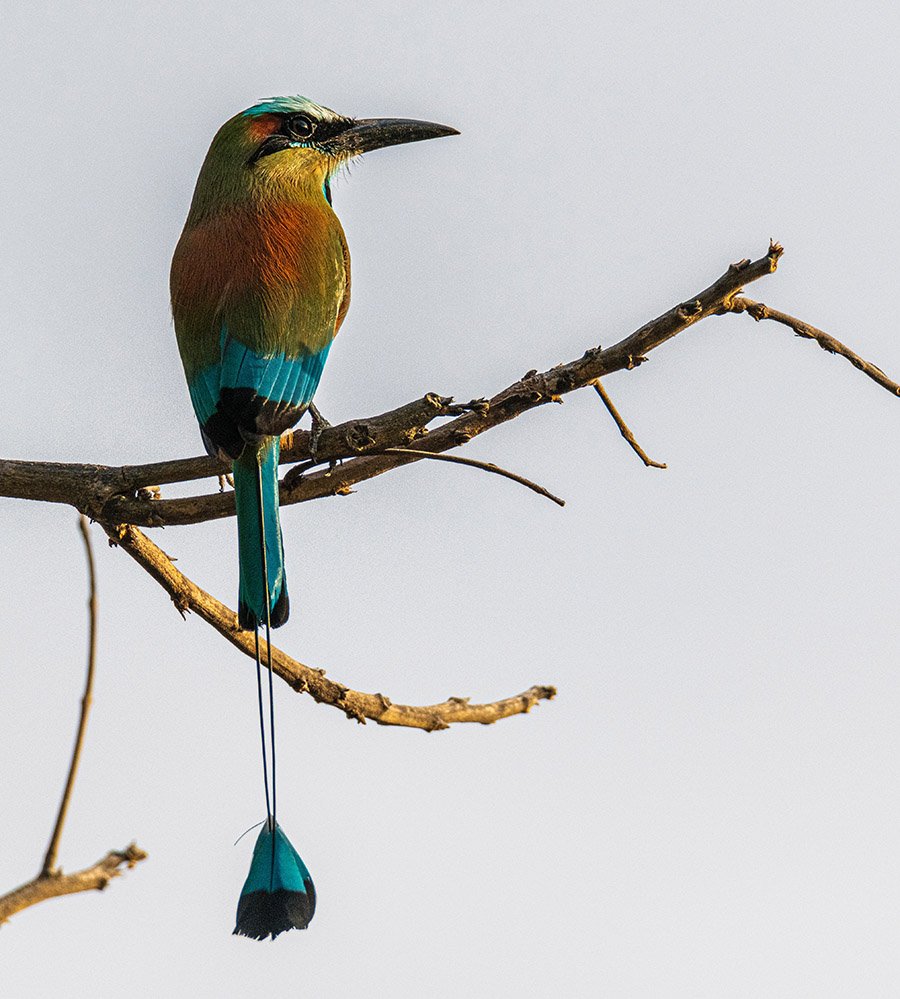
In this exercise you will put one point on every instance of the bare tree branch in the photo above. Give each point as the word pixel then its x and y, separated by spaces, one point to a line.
pixel 623 427
pixel 107 493
pixel 94 878
pixel 123 497
pixel 51 882
pixel 759 311
pixel 187 596
pixel 89 487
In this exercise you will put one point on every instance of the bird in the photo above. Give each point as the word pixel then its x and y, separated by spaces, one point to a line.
pixel 260 285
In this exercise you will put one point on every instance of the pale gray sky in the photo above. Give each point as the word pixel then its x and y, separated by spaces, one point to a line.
pixel 711 806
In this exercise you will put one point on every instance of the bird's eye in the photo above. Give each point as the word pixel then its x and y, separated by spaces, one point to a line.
pixel 299 126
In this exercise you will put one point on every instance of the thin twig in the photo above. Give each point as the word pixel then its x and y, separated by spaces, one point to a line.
pixel 187 596
pixel 623 427
pixel 486 466
pixel 49 867
pixel 826 341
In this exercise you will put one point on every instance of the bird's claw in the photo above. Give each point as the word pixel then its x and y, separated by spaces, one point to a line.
pixel 319 423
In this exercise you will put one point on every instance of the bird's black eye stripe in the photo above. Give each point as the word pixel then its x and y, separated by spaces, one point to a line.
pixel 299 126
pixel 303 128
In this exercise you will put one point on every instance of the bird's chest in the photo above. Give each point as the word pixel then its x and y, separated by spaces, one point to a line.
pixel 293 278
pixel 274 279
pixel 300 251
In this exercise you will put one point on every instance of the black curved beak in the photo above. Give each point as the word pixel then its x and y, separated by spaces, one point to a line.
pixel 365 134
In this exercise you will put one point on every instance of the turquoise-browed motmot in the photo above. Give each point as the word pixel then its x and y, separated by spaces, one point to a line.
pixel 260 286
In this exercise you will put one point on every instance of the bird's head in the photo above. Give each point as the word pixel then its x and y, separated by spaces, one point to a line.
pixel 290 142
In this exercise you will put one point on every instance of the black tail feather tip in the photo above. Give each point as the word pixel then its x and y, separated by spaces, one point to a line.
pixel 279 614
pixel 263 913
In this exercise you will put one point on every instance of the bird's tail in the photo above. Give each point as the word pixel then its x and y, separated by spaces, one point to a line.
pixel 278 894
pixel 256 498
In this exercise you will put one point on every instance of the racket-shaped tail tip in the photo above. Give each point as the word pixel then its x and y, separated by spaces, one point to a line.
pixel 278 894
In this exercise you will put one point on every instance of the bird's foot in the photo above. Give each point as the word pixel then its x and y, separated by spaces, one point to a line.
pixel 319 424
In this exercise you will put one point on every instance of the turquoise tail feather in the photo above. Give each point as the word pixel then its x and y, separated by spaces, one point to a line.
pixel 278 894
pixel 256 498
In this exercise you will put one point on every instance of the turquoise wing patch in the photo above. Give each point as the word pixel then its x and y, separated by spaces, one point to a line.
pixel 248 395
